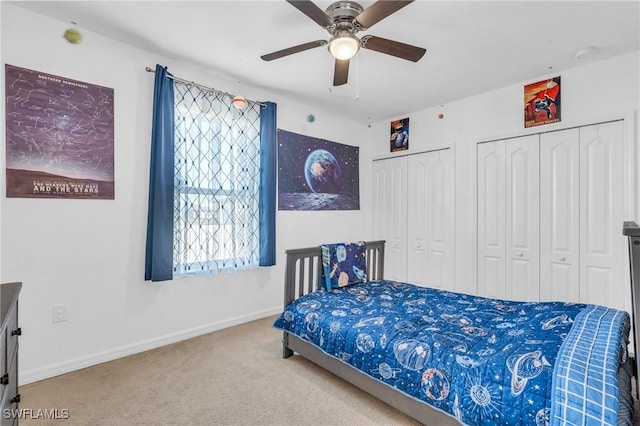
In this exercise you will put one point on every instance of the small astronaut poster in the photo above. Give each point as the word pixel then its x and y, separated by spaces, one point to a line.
pixel 542 102
pixel 317 174
pixel 60 137
pixel 399 139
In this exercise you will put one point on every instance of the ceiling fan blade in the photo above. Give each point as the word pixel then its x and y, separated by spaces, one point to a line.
pixel 378 11
pixel 291 50
pixel 393 48
pixel 312 11
pixel 341 72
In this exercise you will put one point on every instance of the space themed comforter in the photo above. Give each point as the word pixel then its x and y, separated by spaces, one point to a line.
pixel 483 361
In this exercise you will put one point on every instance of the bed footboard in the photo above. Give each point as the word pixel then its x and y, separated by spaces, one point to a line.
pixel 632 231
pixel 303 274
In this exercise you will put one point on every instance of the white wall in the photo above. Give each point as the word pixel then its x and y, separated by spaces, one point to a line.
pixel 89 254
pixel 604 90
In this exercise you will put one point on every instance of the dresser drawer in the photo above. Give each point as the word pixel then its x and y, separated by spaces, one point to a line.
pixel 12 332
pixel 4 363
pixel 10 398
pixel 9 333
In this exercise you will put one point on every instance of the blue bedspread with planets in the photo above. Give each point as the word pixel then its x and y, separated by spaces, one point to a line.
pixel 483 361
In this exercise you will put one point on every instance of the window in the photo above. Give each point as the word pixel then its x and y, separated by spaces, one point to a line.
pixel 217 181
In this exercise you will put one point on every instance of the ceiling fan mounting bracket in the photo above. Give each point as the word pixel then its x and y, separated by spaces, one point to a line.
pixel 343 14
pixel 344 10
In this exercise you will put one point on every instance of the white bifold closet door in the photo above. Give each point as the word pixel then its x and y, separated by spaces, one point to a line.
pixel 390 214
pixel 550 215
pixel 604 265
pixel 559 216
pixel 582 253
pixel 522 218
pixel 430 220
pixel 508 219
pixel 491 222
pixel 413 213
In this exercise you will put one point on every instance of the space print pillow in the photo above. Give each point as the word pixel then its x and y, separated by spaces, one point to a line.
pixel 344 264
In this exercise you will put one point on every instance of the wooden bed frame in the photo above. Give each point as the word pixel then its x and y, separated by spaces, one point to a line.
pixel 303 275
pixel 632 231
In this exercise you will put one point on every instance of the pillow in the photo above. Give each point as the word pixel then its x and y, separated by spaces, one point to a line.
pixel 344 264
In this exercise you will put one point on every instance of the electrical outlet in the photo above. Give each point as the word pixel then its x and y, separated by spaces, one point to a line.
pixel 59 313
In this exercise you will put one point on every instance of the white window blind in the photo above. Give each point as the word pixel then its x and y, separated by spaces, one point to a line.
pixel 217 177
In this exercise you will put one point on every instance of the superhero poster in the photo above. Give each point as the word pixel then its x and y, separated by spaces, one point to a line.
pixel 542 102
pixel 399 139
pixel 60 137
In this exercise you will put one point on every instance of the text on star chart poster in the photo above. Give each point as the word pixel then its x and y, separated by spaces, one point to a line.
pixel 60 136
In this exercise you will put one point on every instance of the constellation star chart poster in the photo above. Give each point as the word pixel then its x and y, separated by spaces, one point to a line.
pixel 60 137
pixel 317 174
pixel 542 102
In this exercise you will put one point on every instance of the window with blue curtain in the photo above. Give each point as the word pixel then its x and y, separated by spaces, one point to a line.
pixel 212 186
pixel 217 181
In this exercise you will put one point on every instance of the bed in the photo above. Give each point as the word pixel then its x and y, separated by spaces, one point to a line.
pixel 448 358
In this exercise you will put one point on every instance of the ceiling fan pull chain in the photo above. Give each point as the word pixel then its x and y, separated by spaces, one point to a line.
pixel 357 77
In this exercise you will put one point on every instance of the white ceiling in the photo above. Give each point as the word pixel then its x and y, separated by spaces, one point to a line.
pixel 472 46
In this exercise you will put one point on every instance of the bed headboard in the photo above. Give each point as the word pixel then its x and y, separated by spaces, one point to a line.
pixel 631 230
pixel 303 272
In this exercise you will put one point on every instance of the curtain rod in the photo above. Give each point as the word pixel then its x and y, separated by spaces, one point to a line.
pixel 149 69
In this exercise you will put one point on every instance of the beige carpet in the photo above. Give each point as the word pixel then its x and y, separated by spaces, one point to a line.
pixel 231 377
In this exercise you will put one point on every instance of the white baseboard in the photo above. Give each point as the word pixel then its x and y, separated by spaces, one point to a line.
pixel 46 372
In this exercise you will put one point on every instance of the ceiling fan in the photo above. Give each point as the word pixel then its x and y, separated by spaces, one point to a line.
pixel 343 19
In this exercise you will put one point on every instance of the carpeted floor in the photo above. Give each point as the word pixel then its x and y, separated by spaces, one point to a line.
pixel 231 377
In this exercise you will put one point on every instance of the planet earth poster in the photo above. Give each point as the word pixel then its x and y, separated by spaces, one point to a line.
pixel 317 174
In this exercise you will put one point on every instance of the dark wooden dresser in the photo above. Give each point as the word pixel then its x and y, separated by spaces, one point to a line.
pixel 9 353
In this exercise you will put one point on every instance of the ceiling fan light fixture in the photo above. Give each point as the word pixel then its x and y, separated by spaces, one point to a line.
pixel 344 45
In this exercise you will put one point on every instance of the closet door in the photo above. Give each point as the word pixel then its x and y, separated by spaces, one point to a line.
pixel 430 220
pixel 390 214
pixel 559 216
pixel 603 255
pixel 522 218
pixel 491 219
